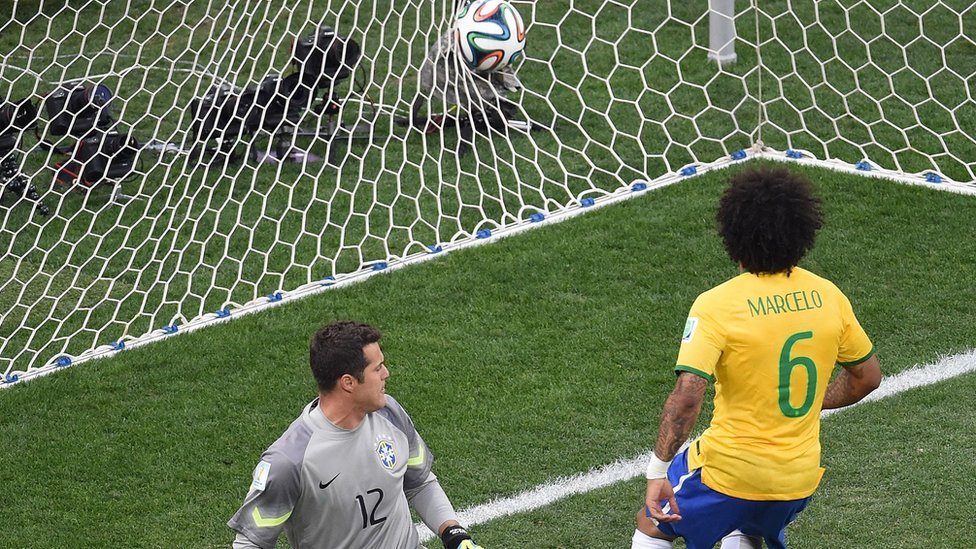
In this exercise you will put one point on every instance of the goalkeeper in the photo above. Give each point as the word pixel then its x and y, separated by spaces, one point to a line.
pixel 343 473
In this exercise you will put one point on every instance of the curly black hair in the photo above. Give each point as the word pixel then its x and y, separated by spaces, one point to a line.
pixel 337 350
pixel 768 219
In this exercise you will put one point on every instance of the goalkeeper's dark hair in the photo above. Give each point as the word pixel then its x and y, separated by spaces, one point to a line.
pixel 768 219
pixel 337 350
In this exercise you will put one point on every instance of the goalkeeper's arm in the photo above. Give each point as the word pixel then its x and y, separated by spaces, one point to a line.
pixel 431 503
pixel 456 537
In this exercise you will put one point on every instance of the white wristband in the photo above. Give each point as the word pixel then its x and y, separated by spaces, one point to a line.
pixel 657 468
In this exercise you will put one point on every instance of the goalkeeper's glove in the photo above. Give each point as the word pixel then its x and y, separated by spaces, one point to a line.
pixel 456 537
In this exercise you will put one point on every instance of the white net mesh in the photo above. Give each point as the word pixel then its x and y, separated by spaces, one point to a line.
pixel 330 180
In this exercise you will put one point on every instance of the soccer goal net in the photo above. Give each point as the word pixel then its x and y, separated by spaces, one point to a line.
pixel 169 164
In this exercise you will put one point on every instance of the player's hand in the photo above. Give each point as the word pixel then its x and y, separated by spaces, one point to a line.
pixel 660 489
pixel 456 537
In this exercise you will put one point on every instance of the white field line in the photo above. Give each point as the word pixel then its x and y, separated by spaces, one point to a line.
pixel 562 487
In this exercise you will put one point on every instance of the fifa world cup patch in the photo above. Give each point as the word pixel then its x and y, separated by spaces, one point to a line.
pixel 386 452
pixel 261 476
pixel 690 326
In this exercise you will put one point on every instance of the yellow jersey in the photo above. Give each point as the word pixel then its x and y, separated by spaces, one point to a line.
pixel 770 344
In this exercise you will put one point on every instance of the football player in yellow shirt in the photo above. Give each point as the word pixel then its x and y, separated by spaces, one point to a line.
pixel 769 339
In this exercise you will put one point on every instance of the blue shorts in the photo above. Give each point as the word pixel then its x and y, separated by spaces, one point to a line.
pixel 707 516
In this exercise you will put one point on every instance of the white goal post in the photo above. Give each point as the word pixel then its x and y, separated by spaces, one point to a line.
pixel 193 160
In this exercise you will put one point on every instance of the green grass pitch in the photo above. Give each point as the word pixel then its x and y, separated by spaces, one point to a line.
pixel 535 357
pixel 540 356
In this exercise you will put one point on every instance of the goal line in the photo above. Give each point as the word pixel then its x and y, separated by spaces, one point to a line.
pixel 635 189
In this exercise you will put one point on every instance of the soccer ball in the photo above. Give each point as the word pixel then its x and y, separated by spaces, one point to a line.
pixel 489 34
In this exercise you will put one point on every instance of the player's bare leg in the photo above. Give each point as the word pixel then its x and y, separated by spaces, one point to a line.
pixel 647 536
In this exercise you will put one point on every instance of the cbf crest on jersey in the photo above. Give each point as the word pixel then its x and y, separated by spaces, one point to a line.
pixel 386 451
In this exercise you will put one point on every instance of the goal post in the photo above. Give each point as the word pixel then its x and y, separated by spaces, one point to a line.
pixel 721 31
pixel 193 170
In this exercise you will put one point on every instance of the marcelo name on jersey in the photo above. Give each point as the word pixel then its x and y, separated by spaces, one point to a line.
pixel 791 302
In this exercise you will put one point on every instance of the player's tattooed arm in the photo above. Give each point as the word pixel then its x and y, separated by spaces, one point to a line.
pixel 680 413
pixel 840 392
pixel 853 384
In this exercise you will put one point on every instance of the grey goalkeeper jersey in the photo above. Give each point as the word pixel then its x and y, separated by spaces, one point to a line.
pixel 332 488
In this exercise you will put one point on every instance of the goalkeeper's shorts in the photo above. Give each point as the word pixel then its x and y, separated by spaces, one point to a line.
pixel 707 516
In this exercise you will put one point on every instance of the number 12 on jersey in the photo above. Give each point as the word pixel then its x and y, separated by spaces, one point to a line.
pixel 370 518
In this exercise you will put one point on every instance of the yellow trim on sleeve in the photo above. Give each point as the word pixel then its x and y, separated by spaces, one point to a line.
pixel 268 522
pixel 418 459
